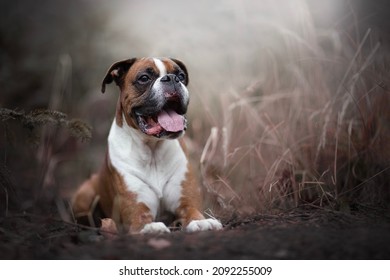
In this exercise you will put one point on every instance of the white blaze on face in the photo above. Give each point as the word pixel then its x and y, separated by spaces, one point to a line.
pixel 169 120
pixel 160 66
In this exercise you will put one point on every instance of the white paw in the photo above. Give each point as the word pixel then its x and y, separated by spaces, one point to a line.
pixel 202 225
pixel 155 228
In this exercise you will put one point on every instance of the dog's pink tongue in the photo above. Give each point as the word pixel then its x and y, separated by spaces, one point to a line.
pixel 171 121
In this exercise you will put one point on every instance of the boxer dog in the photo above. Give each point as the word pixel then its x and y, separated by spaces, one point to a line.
pixel 146 169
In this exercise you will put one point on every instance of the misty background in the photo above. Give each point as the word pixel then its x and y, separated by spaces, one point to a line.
pixel 223 43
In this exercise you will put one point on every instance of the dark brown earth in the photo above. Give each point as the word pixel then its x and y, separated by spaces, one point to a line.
pixel 297 234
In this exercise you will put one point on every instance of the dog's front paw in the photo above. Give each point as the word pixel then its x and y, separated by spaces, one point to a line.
pixel 155 228
pixel 203 225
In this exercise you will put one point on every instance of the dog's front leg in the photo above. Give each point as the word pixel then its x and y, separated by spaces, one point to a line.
pixel 138 218
pixel 188 211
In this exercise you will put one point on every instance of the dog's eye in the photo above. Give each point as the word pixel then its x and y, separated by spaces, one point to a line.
pixel 143 79
pixel 181 77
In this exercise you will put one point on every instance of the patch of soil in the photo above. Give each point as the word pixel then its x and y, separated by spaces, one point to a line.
pixel 298 234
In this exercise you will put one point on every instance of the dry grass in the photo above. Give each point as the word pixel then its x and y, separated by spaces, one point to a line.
pixel 321 138
pixel 36 119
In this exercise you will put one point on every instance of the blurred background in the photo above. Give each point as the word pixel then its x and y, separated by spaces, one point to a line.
pixel 289 99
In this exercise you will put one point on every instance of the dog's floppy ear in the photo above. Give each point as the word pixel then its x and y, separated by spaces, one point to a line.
pixel 182 67
pixel 116 71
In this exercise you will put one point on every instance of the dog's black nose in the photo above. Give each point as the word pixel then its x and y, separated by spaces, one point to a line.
pixel 169 78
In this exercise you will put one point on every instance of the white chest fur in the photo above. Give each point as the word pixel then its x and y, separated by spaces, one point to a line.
pixel 154 172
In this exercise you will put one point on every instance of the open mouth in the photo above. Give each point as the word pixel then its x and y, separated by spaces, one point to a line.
pixel 166 122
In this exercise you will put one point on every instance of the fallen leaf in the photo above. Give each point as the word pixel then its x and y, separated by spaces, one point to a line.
pixel 108 229
pixel 159 243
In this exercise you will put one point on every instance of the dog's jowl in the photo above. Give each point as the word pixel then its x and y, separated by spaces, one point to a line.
pixel 146 170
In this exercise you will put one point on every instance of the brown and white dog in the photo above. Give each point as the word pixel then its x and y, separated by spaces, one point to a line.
pixel 146 169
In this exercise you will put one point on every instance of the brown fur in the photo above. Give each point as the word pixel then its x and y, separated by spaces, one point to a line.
pixel 190 202
pixel 114 200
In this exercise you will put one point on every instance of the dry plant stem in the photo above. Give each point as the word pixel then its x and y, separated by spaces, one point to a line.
pixel 311 127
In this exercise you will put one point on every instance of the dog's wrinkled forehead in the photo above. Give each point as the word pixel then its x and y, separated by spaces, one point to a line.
pixel 156 66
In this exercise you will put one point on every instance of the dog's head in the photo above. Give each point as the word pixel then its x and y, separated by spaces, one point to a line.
pixel 154 97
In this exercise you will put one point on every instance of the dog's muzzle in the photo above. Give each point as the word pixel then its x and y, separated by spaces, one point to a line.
pixel 163 114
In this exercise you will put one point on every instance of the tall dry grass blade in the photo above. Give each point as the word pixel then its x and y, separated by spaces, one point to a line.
pixel 230 190
pixel 274 168
pixel 352 62
pixel 62 84
pixel 365 181
pixel 238 161
pixel 210 146
pixel 225 146
pixel 327 111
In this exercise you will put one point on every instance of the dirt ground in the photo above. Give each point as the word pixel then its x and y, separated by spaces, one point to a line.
pixel 297 234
